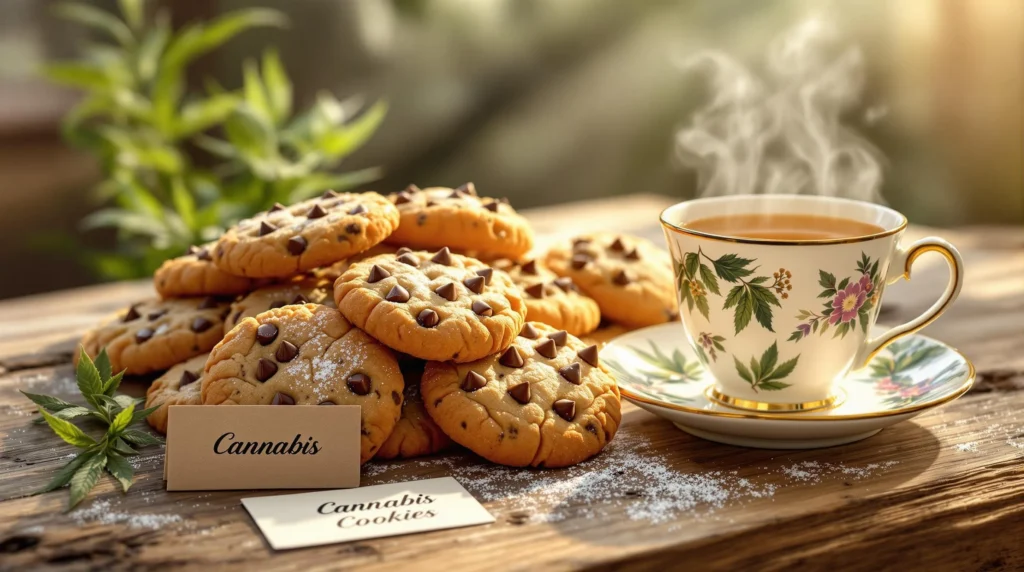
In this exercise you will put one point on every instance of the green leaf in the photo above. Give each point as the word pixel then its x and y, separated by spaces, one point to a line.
pixel 70 413
pixel 340 142
pixel 744 310
pixel 119 467
pixel 772 385
pixel 735 296
pixel 87 376
pixel 755 368
pixel 102 363
pixel 863 317
pixel 113 383
pixel 762 298
pixel 152 47
pixel 61 477
pixel 48 402
pixel 121 422
pixel 255 94
pixel 278 86
pixel 783 371
pixel 201 115
pixel 68 431
pixel 133 13
pixel 769 358
pixel 250 133
pixel 743 371
pixel 127 221
pixel 140 438
pixel 843 284
pixel 316 183
pixel 702 305
pixel 690 263
pixel 687 294
pixel 127 400
pixel 79 74
pixel 85 478
pixel 759 280
pixel 107 406
pixel 826 280
pixel 708 277
pixel 141 414
pixel 197 39
pixel 731 268
pixel 98 19
pixel 121 447
pixel 183 202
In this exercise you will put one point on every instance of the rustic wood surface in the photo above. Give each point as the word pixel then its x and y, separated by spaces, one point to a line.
pixel 944 491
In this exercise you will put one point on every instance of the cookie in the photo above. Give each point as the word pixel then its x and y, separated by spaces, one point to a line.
pixel 194 274
pixel 307 355
pixel 302 290
pixel 629 277
pixel 156 334
pixel 546 401
pixel 179 385
pixel 439 306
pixel 459 219
pixel 416 434
pixel 550 299
pixel 605 333
pixel 285 241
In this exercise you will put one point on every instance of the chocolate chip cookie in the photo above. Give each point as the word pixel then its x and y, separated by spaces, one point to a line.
pixel 154 335
pixel 459 219
pixel 301 290
pixel 439 305
pixel 416 434
pixel 551 299
pixel 290 240
pixel 180 385
pixel 194 274
pixel 307 355
pixel 629 277
pixel 546 401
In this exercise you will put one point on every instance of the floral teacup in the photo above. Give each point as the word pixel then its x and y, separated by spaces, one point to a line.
pixel 779 323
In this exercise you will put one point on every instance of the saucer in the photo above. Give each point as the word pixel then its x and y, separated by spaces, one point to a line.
pixel 658 370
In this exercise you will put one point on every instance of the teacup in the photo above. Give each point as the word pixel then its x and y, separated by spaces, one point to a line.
pixel 780 322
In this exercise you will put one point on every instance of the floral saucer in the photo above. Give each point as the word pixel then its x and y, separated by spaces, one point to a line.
pixel 658 370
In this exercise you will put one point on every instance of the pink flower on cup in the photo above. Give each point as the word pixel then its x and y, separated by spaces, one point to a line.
pixel 912 391
pixel 847 303
pixel 865 283
pixel 886 384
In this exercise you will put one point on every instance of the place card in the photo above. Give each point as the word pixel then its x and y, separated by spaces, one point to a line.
pixel 312 519
pixel 230 447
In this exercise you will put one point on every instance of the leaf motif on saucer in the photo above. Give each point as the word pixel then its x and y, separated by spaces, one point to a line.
pixel 898 377
pixel 767 373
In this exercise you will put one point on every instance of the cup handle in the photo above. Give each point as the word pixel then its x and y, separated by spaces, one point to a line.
pixel 900 268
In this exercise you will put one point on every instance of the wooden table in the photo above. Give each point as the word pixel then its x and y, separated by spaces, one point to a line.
pixel 945 491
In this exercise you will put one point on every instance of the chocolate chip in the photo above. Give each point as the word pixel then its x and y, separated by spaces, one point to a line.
pixel 560 337
pixel 282 399
pixel 156 315
pixel 633 254
pixel 475 283
pixel 396 398
pixel 577 242
pixel 487 274
pixel 187 377
pixel 621 278
pixel 492 206
pixel 529 332
pixel 565 408
pixel 428 318
pixel 410 259
pixel 329 194
pixel 618 245
pixel 403 250
pixel 467 188
pixel 482 308
pixel 447 292
pixel 397 294
pixel 299 299
pixel 565 283
pixel 402 198
pixel 571 373
pixel 377 274
pixel 286 352
pixel 201 324
pixel 265 369
pixel 277 304
pixel 276 207
pixel 537 290
pixel 579 261
pixel 296 245
pixel 327 402
pixel 589 355
pixel 316 212
pixel 511 358
pixel 590 427
pixel 472 382
pixel 131 314
pixel 443 256
pixel 200 253
pixel 266 333
pixel 412 189
pixel 455 194
pixel 521 392
pixel 358 209
pixel 547 349
pixel 208 302
pixel 266 228
pixel 235 318
pixel 353 228
pixel 530 267
pixel 143 335
pixel 359 383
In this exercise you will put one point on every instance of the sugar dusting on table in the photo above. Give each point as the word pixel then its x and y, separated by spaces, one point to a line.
pixel 102 512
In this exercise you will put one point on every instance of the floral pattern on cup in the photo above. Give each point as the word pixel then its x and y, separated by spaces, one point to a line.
pixel 892 373
pixel 767 373
pixel 698 274
pixel 708 345
pixel 847 305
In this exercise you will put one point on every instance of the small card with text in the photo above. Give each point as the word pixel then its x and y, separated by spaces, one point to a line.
pixel 230 447
pixel 325 517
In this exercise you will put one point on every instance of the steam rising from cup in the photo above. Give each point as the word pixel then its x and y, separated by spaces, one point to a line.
pixel 783 134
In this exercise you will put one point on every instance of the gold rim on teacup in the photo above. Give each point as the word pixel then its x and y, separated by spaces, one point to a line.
pixel 830 402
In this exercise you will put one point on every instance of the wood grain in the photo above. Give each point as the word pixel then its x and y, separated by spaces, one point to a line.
pixel 945 491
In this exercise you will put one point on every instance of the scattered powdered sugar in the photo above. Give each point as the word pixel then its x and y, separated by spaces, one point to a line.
pixel 813 471
pixel 101 512
pixel 1015 444
pixel 971 447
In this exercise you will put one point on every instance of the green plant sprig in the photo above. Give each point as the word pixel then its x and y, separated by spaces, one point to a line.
pixel 117 412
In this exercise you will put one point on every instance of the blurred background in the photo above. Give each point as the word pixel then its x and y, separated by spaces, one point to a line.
pixel 540 101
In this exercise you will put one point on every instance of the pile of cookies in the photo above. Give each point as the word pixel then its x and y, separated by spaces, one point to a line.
pixel 424 308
